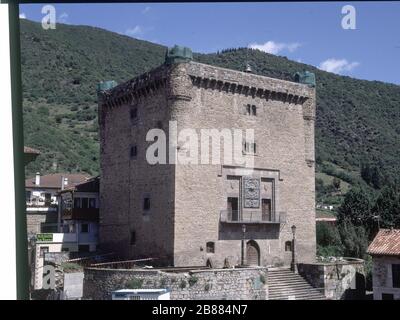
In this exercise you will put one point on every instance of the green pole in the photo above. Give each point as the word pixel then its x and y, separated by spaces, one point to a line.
pixel 19 167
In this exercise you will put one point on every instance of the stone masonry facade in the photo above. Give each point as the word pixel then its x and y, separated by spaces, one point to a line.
pixel 229 284
pixel 382 277
pixel 175 213
pixel 342 280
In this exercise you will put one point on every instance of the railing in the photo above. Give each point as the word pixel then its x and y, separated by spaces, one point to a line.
pixel 125 264
pixel 234 216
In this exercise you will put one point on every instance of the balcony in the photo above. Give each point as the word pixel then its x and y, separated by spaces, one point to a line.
pixel 251 217
pixel 91 214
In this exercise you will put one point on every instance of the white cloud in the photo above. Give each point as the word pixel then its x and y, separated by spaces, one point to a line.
pixel 63 17
pixel 134 32
pixel 22 15
pixel 145 10
pixel 275 47
pixel 338 65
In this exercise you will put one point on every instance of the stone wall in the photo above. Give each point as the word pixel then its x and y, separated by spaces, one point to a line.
pixel 382 281
pixel 34 221
pixel 215 284
pixel 340 280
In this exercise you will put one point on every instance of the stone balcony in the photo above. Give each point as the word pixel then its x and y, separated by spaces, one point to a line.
pixel 251 217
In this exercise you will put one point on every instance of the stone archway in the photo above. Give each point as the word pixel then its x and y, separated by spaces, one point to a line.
pixel 252 253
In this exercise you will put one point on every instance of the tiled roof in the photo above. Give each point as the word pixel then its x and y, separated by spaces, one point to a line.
pixel 31 150
pixel 324 216
pixel 386 242
pixel 54 180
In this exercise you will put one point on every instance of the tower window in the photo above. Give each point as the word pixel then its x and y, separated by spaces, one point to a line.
pixel 133 151
pixel 250 147
pixel 133 113
pixel 288 246
pixel 253 110
pixel 250 110
pixel 210 247
pixel 146 203
pixel 133 237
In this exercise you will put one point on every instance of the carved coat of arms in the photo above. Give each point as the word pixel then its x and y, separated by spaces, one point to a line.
pixel 251 192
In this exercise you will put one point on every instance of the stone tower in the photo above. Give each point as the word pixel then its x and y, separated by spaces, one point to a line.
pixel 194 214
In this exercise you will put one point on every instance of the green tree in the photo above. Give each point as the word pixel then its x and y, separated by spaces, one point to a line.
pixel 387 207
pixel 336 183
pixel 356 207
pixel 354 239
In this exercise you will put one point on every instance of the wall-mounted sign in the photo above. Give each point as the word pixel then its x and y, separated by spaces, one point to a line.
pixel 251 192
pixel 44 237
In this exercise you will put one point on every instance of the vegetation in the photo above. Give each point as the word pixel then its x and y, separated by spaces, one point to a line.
pixel 134 283
pixel 359 218
pixel 71 267
pixel 193 280
pixel 182 284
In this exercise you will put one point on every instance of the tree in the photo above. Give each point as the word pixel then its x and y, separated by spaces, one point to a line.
pixel 356 207
pixel 336 183
pixel 354 239
pixel 372 175
pixel 387 207
pixel 328 240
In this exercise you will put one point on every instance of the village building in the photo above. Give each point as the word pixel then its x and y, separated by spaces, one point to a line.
pixel 325 216
pixel 225 214
pixel 385 252
pixel 30 154
pixel 78 232
pixel 41 200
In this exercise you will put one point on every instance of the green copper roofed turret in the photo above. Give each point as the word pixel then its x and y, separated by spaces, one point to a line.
pixel 305 77
pixel 106 85
pixel 178 54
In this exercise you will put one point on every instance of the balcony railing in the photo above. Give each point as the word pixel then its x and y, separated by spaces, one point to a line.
pixel 233 216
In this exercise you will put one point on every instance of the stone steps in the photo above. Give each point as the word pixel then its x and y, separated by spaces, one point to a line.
pixel 283 284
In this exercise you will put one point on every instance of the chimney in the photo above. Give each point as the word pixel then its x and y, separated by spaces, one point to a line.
pixel 37 179
pixel 62 182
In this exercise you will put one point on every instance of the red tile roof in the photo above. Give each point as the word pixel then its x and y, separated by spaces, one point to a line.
pixel 386 242
pixel 54 180
pixel 31 150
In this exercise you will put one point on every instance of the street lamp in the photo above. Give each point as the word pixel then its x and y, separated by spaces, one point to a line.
pixel 243 238
pixel 294 263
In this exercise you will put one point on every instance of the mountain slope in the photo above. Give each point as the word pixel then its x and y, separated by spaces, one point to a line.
pixel 357 120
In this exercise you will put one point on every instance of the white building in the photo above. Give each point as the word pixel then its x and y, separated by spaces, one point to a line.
pixel 78 232
pixel 41 200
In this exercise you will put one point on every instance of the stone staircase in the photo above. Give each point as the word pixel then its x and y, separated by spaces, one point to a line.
pixel 283 284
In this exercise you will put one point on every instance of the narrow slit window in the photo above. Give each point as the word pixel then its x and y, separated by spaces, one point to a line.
pixel 133 152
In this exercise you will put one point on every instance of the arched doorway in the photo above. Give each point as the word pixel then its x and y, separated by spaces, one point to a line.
pixel 252 253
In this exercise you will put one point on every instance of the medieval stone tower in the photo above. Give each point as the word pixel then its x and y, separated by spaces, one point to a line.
pixel 196 214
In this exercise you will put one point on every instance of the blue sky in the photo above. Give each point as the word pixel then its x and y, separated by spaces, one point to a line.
pixel 307 32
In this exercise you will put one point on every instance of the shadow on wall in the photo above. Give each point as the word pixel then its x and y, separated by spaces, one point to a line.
pixel 358 293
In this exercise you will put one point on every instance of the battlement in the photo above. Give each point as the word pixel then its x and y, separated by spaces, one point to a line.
pixel 208 77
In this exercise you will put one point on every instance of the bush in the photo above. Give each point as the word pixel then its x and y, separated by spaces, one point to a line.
pixel 71 267
pixel 182 285
pixel 134 283
pixel 193 280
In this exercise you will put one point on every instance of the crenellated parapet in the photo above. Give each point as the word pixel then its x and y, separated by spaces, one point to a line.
pixel 236 82
pixel 136 88
pixel 178 78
